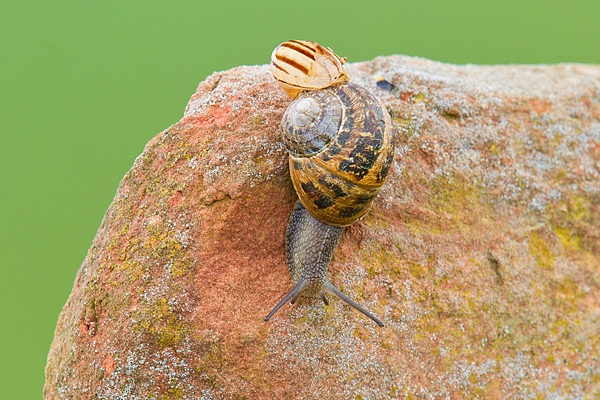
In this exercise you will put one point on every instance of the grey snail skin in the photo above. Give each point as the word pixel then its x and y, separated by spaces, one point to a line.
pixel 340 141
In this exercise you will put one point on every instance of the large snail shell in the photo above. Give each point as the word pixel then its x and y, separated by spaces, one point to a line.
pixel 300 65
pixel 341 144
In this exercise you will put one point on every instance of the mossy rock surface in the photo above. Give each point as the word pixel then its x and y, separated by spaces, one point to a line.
pixel 481 253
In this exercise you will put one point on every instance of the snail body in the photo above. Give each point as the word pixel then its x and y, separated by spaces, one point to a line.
pixel 341 144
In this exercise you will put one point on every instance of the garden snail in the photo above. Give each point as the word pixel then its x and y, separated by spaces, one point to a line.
pixel 340 141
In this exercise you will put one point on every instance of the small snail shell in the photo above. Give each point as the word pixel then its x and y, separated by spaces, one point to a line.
pixel 341 144
pixel 300 65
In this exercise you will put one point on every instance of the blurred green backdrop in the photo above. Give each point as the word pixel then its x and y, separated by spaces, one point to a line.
pixel 84 85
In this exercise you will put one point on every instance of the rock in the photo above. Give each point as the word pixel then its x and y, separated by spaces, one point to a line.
pixel 481 254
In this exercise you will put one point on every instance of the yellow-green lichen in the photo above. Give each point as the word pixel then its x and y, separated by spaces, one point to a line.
pixel 255 121
pixel 560 174
pixel 460 205
pixel 494 149
pixel 131 269
pixel 405 125
pixel 541 251
pixel 202 151
pixel 114 303
pixel 419 98
pixel 567 291
pixel 162 245
pixel 380 259
pixel 572 220
pixel 578 208
pixel 117 238
pixel 174 392
pixel 416 269
pixel 161 322
pixel 210 360
pixel 570 240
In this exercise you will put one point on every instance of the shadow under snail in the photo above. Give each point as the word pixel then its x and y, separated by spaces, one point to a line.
pixel 340 141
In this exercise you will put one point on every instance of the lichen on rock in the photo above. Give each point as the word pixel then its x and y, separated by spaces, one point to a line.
pixel 481 253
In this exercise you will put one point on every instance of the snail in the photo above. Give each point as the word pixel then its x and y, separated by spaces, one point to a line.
pixel 340 141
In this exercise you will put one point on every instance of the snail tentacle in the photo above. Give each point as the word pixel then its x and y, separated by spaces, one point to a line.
pixel 291 295
pixel 310 245
pixel 333 290
pixel 295 298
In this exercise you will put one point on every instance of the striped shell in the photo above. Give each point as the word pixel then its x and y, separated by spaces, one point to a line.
pixel 341 145
pixel 300 65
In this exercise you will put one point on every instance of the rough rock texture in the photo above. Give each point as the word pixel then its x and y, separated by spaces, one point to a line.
pixel 481 255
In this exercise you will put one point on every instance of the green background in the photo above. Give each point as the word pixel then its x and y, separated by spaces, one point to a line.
pixel 84 85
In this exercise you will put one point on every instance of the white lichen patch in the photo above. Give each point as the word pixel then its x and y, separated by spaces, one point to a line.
pixel 221 87
pixel 144 373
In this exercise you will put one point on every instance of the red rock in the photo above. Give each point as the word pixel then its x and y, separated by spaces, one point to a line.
pixel 481 254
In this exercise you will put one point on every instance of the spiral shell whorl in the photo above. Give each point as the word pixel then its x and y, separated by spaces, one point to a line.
pixel 305 112
pixel 311 122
